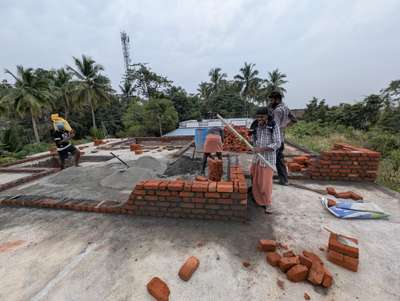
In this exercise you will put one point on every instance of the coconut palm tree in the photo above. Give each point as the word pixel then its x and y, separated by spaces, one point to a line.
pixel 275 82
pixel 91 87
pixel 127 89
pixel 248 81
pixel 29 95
pixel 63 89
pixel 216 78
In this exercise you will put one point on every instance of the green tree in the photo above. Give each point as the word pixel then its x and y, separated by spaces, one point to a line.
pixel 216 78
pixel 316 110
pixel 275 82
pixel 249 82
pixel 187 106
pixel 90 87
pixel 146 82
pixel 28 96
pixel 160 115
pixel 62 85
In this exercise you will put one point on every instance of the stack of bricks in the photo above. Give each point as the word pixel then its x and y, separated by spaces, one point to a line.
pixel 306 266
pixel 215 170
pixel 343 251
pixel 345 162
pixel 137 148
pixel 192 199
pixel 232 143
pixel 98 142
pixel 299 163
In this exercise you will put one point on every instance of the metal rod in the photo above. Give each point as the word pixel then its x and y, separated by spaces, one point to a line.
pixel 244 140
pixel 115 156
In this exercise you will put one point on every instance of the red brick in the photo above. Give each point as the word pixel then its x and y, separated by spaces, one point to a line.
pixel 163 185
pixel 198 186
pixel 151 198
pixel 267 245
pixel 212 195
pixel 327 281
pixel 152 184
pixel 305 261
pixel 343 260
pixel 212 187
pixel 188 268
pixel 289 254
pixel 313 257
pixel 331 191
pixel 139 192
pixel 140 185
pixel 188 186
pixel 297 273
pixel 287 262
pixel 356 196
pixel 316 274
pixel 225 201
pixel 158 289
pixel 186 194
pixel 307 296
pixel 225 187
pixel 273 258
pixel 176 186
pixel 201 179
pixel 342 244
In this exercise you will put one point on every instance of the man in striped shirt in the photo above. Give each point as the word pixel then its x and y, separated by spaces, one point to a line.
pixel 283 118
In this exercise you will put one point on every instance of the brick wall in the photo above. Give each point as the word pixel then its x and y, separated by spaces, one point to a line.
pixel 192 199
pixel 345 162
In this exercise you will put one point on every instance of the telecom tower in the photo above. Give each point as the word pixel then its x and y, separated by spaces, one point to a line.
pixel 125 50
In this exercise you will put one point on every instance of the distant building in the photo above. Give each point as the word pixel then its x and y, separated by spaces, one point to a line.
pixel 188 127
pixel 298 113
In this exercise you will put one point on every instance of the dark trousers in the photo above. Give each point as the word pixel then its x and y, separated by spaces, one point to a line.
pixel 280 165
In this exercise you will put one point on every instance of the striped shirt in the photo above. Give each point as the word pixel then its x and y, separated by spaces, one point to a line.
pixel 267 137
pixel 281 117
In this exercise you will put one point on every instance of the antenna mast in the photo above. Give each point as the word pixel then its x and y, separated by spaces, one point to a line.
pixel 125 50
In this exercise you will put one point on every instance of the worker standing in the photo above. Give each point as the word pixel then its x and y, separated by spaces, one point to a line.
pixel 213 145
pixel 283 119
pixel 62 139
pixel 267 142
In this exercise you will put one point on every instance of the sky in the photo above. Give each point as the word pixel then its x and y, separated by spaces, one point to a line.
pixel 339 50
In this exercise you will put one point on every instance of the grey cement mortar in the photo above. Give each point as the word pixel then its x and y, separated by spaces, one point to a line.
pixel 122 253
pixel 98 182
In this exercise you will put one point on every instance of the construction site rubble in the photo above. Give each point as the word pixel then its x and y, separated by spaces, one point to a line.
pixel 306 266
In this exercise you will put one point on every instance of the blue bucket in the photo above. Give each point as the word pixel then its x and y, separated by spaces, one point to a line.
pixel 200 138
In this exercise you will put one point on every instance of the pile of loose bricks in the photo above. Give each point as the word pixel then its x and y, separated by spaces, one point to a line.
pixel 224 200
pixel 232 143
pixel 299 163
pixel 137 148
pixel 307 266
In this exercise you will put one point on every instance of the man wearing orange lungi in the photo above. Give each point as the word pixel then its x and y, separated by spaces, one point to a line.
pixel 267 142
pixel 213 145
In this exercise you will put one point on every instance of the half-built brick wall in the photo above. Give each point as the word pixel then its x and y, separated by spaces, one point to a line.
pixel 225 200
pixel 345 162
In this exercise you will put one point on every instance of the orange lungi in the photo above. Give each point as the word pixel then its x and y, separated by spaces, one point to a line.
pixel 262 184
pixel 213 144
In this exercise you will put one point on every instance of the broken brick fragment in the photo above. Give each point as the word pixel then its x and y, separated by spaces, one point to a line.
pixel 267 245
pixel 188 268
pixel 344 261
pixel 356 196
pixel 307 296
pixel 273 258
pixel 289 254
pixel 281 284
pixel 316 274
pixel 327 281
pixel 287 262
pixel 331 191
pixel 158 289
pixel 313 257
pixel 305 261
pixel 297 273
pixel 201 178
